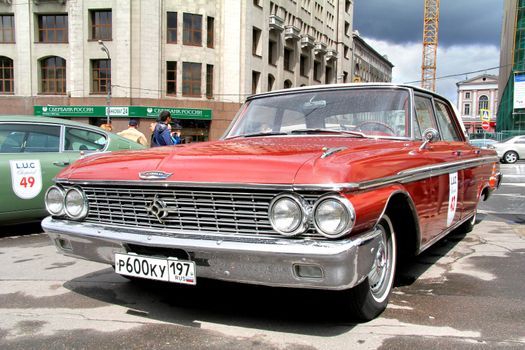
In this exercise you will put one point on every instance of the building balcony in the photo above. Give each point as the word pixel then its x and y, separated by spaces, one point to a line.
pixel 319 48
pixel 331 55
pixel 276 23
pixel 307 41
pixel 291 32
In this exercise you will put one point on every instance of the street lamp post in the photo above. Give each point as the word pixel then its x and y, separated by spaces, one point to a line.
pixel 104 48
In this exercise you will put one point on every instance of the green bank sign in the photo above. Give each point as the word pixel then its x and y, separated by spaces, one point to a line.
pixel 121 112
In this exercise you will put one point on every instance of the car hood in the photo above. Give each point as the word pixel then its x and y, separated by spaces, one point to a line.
pixel 275 160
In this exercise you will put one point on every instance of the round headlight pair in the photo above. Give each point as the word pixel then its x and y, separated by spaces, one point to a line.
pixel 71 202
pixel 333 216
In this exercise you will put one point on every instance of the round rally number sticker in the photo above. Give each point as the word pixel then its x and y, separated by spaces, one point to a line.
pixel 26 178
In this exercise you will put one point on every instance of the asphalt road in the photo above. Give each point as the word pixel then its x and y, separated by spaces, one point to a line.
pixel 466 292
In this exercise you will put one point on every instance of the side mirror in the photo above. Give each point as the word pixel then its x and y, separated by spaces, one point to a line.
pixel 429 135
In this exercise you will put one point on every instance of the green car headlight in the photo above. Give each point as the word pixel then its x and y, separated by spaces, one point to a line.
pixel 334 216
pixel 75 204
pixel 54 200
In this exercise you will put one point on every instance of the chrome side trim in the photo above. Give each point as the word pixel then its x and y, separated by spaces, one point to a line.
pixel 404 176
pixel 328 152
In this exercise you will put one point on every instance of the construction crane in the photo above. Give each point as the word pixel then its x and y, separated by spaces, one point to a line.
pixel 430 44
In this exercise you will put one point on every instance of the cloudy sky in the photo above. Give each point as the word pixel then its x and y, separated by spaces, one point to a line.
pixel 469 37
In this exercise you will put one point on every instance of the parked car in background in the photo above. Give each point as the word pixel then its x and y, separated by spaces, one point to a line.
pixel 323 187
pixel 33 150
pixel 511 149
pixel 482 143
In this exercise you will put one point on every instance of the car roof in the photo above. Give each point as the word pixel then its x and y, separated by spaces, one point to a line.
pixel 46 120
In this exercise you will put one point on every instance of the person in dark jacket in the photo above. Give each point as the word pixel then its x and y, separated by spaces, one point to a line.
pixel 162 133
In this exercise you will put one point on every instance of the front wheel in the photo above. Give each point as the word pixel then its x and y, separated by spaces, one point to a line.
pixel 510 157
pixel 368 299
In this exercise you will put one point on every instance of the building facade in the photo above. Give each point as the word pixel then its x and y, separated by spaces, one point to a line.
pixel 201 59
pixel 477 99
pixel 511 111
pixel 369 66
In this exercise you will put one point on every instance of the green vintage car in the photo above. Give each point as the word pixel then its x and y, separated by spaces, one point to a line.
pixel 33 150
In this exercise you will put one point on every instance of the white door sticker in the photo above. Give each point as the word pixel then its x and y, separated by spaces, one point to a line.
pixel 26 178
pixel 452 197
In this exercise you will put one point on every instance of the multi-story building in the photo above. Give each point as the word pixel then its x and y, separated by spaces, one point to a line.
pixel 477 98
pixel 511 111
pixel 200 59
pixel 369 66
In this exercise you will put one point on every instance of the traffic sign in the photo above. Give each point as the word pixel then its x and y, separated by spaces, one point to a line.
pixel 485 125
pixel 485 114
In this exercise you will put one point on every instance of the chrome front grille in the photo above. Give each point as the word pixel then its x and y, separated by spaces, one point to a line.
pixel 199 210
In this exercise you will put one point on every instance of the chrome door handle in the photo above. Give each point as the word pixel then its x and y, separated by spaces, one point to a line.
pixel 61 163
pixel 457 153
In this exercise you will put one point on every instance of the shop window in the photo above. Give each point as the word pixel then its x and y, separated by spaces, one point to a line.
pixel 210 33
pixel 171 78
pixel 101 22
pixel 171 27
pixel 191 79
pixel 53 76
pixel 52 28
pixel 101 76
pixel 6 76
pixel 7 28
pixel 192 31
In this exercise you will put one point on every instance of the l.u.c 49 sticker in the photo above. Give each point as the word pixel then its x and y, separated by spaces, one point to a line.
pixel 452 197
pixel 26 178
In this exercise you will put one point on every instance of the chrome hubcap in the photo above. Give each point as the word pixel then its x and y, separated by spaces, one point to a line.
pixel 379 269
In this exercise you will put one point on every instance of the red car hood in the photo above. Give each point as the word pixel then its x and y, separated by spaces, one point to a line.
pixel 275 160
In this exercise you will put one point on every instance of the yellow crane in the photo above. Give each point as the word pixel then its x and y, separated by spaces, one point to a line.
pixel 430 44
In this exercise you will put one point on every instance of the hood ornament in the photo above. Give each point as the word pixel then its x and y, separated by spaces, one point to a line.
pixel 154 175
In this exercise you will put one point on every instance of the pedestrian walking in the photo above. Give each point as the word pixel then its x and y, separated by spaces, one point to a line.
pixel 133 134
pixel 162 133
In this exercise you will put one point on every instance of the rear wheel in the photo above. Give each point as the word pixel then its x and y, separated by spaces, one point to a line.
pixel 368 299
pixel 510 157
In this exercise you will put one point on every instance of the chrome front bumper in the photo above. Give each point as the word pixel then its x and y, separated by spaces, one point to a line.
pixel 267 261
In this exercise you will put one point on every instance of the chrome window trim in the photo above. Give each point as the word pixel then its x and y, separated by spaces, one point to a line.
pixel 405 176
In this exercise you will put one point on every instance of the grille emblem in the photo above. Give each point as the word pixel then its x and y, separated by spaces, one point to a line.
pixel 154 175
pixel 158 209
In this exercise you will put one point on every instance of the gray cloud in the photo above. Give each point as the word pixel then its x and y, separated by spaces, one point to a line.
pixel 461 22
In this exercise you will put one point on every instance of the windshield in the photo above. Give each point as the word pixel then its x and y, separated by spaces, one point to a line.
pixel 350 112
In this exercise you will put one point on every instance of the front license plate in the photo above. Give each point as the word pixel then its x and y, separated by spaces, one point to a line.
pixel 169 270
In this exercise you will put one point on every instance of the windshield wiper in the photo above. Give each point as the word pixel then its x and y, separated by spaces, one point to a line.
pixel 321 130
pixel 270 133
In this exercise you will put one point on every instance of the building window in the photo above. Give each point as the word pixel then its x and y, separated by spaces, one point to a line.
pixel 346 51
pixel 171 78
pixel 256 42
pixel 101 75
pixel 466 109
pixel 209 81
pixel 191 79
pixel 345 77
pixel 467 95
pixel 303 66
pixel 483 102
pixel 172 28
pixel 272 53
pixel 6 76
pixel 256 76
pixel 52 28
pixel 53 76
pixel 100 24
pixel 271 81
pixel 7 28
pixel 211 30
pixel 317 71
pixel 288 59
pixel 192 31
pixel 257 3
pixel 328 75
pixel 287 84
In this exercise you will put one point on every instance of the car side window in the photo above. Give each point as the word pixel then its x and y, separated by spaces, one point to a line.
pixel 424 115
pixel 446 123
pixel 77 139
pixel 29 138
pixel 520 140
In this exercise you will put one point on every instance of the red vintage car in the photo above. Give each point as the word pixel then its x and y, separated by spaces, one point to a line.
pixel 323 187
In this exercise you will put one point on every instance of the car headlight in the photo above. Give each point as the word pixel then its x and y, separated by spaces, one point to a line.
pixel 334 216
pixel 75 203
pixel 54 200
pixel 288 215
